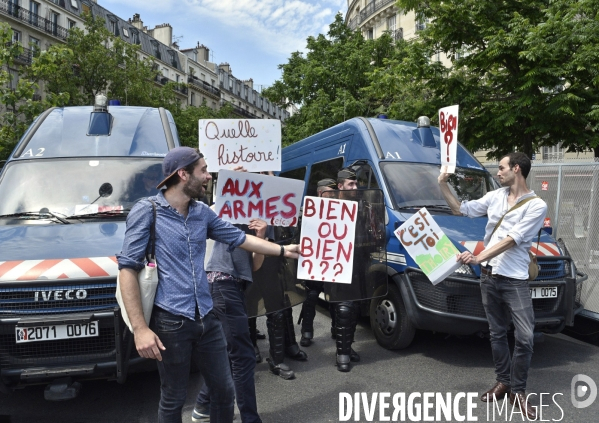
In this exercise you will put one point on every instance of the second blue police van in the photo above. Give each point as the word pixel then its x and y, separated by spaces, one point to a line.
pixel 403 160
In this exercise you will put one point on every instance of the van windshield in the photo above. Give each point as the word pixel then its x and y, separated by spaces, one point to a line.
pixel 77 187
pixel 414 185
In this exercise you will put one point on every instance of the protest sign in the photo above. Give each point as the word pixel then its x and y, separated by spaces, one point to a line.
pixel 242 196
pixel 430 248
pixel 448 124
pixel 328 240
pixel 254 144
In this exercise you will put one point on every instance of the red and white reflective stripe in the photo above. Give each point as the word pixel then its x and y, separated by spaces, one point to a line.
pixel 52 269
pixel 544 248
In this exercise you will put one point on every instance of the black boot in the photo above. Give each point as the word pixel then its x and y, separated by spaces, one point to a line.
pixel 292 350
pixel 275 324
pixel 307 316
pixel 343 329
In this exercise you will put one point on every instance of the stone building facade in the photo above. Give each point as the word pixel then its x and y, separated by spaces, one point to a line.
pixel 38 24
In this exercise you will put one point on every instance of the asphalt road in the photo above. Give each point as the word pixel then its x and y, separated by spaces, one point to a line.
pixel 433 363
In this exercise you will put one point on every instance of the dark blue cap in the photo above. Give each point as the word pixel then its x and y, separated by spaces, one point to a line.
pixel 176 159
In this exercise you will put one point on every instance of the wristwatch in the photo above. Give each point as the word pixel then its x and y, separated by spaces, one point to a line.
pixel 282 252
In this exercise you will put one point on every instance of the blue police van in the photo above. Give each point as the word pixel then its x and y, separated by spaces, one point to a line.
pixel 65 192
pixel 402 159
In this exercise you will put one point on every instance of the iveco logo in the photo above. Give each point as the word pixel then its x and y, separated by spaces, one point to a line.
pixel 61 295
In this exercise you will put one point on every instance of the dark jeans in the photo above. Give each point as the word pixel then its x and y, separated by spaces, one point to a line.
pixel 229 306
pixel 180 337
pixel 497 293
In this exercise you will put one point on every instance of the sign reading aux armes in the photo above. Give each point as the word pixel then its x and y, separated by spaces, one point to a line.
pixel 243 196
pixel 328 240
pixel 254 144
pixel 430 248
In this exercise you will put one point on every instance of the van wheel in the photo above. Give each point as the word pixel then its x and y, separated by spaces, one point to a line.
pixel 389 321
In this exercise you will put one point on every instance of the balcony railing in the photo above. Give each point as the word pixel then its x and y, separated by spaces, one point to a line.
pixel 26 57
pixel 11 9
pixel 204 85
pixel 371 8
pixel 163 80
pixel 239 110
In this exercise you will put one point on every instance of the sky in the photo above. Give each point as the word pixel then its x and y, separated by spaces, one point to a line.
pixel 253 36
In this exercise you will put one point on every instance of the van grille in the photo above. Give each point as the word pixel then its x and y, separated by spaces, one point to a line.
pixel 448 296
pixel 50 299
pixel 465 299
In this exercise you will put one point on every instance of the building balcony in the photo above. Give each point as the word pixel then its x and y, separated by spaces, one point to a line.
pixel 32 19
pixel 370 9
pixel 238 110
pixel 203 85
pixel 26 57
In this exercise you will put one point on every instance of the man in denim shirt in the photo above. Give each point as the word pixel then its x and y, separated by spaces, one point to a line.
pixel 504 272
pixel 182 319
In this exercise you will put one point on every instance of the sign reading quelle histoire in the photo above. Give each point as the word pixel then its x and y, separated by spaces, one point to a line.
pixel 243 196
pixel 254 144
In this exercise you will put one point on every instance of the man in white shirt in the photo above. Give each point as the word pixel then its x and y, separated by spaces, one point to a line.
pixel 504 272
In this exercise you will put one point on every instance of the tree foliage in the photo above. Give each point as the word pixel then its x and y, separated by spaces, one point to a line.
pixel 187 121
pixel 94 61
pixel 17 105
pixel 327 81
pixel 521 72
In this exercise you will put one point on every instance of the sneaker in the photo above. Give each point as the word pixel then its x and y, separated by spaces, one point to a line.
pixel 203 415
pixel 200 414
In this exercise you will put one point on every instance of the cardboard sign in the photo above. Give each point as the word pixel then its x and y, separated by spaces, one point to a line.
pixel 430 248
pixel 544 186
pixel 254 144
pixel 328 240
pixel 448 124
pixel 242 196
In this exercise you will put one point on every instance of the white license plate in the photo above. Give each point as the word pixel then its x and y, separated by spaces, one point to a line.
pixel 50 333
pixel 543 292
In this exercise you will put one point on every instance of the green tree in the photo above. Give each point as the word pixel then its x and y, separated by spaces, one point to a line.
pixel 187 121
pixel 94 61
pixel 327 81
pixel 18 109
pixel 516 79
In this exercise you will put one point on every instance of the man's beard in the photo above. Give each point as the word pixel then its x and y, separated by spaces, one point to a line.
pixel 193 187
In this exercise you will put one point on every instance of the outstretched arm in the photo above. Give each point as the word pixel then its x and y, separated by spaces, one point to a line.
pixel 261 246
pixel 452 201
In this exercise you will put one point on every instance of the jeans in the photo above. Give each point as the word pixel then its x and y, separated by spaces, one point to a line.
pixel 180 336
pixel 497 293
pixel 229 306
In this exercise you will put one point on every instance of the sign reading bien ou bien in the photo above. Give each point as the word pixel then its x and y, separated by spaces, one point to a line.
pixel 328 240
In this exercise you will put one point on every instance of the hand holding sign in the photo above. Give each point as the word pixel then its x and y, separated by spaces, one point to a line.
pixel 448 124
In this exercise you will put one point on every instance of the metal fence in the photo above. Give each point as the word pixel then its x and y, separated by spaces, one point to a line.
pixel 571 191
